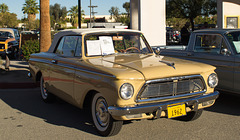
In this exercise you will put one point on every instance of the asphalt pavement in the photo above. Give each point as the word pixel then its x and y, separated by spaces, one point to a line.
pixel 16 77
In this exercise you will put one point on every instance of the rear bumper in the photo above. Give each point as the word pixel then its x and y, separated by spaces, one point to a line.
pixel 159 107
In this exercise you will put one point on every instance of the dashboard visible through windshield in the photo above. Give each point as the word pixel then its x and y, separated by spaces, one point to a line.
pixel 114 43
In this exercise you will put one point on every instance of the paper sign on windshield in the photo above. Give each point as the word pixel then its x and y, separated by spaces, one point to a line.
pixel 106 45
pixel 94 47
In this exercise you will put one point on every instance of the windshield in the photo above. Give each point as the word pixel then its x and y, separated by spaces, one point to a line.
pixel 234 40
pixel 115 43
pixel 5 34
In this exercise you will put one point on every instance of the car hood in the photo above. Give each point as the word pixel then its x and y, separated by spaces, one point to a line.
pixel 149 66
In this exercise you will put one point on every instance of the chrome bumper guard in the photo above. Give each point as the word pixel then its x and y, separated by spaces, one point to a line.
pixel 156 107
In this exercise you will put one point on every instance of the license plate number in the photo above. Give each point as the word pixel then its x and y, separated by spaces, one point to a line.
pixel 176 111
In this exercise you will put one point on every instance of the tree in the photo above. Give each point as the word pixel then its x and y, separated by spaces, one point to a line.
pixel 3 8
pixel 176 23
pixel 125 18
pixel 7 19
pixel 58 14
pixel 126 6
pixel 45 32
pixel 30 8
pixel 73 12
pixel 74 15
pixel 190 9
pixel 114 12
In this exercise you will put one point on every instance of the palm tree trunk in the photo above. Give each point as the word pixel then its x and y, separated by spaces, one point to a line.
pixel 45 32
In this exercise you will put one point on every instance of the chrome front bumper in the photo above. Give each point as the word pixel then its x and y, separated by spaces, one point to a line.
pixel 160 106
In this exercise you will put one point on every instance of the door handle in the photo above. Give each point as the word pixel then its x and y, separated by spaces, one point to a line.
pixel 54 61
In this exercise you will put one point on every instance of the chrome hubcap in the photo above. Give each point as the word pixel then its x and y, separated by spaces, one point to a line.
pixel 44 91
pixel 102 113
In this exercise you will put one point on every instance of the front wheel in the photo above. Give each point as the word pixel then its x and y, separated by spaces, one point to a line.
pixel 102 120
pixel 46 96
pixel 191 116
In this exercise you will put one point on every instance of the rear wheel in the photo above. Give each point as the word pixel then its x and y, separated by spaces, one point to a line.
pixel 46 96
pixel 191 116
pixel 102 120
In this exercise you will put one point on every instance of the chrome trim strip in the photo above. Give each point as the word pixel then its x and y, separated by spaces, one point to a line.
pixel 153 107
pixel 71 67
pixel 96 73
pixel 173 78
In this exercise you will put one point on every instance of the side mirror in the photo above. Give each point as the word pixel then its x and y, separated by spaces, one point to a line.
pixel 225 52
pixel 157 50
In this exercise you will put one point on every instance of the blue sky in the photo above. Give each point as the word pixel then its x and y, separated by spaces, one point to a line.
pixel 15 6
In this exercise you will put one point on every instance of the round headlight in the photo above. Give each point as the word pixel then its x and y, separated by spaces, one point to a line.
pixel 126 91
pixel 213 80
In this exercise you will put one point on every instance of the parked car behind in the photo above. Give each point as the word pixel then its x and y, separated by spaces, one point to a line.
pixel 115 74
pixel 9 42
pixel 217 47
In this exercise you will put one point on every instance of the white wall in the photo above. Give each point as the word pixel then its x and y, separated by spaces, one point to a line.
pixel 227 8
pixel 149 16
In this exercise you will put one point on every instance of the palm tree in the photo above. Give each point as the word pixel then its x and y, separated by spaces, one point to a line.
pixel 74 15
pixel 30 8
pixel 3 8
pixel 45 32
pixel 114 13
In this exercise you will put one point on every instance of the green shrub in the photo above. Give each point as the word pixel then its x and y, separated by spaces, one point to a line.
pixel 30 47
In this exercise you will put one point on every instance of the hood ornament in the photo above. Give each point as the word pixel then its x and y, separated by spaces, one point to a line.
pixel 171 64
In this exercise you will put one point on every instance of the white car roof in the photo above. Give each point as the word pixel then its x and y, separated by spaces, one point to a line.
pixel 95 30
pixel 85 31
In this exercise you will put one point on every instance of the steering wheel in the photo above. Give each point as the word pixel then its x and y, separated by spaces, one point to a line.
pixel 132 48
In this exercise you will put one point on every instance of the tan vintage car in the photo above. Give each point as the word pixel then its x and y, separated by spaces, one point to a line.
pixel 115 74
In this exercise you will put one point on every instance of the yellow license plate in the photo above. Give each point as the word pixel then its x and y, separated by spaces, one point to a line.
pixel 176 111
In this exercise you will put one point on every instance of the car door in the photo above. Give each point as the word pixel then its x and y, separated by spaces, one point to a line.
pixel 234 41
pixel 62 73
pixel 212 49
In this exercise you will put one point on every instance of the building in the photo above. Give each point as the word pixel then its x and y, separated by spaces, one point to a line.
pixel 228 13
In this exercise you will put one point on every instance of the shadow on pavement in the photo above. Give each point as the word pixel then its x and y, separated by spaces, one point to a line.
pixel 58 113
pixel 63 114
pixel 227 103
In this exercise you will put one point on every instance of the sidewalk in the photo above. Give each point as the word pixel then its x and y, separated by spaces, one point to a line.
pixel 16 77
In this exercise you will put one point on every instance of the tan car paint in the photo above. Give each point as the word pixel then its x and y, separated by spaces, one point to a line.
pixel 107 74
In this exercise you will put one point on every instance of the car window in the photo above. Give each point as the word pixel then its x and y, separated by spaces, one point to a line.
pixel 78 52
pixel 16 33
pixel 212 44
pixel 113 43
pixel 67 46
pixel 6 34
pixel 234 40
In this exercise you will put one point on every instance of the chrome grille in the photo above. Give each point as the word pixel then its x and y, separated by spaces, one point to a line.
pixel 172 87
pixel 2 46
